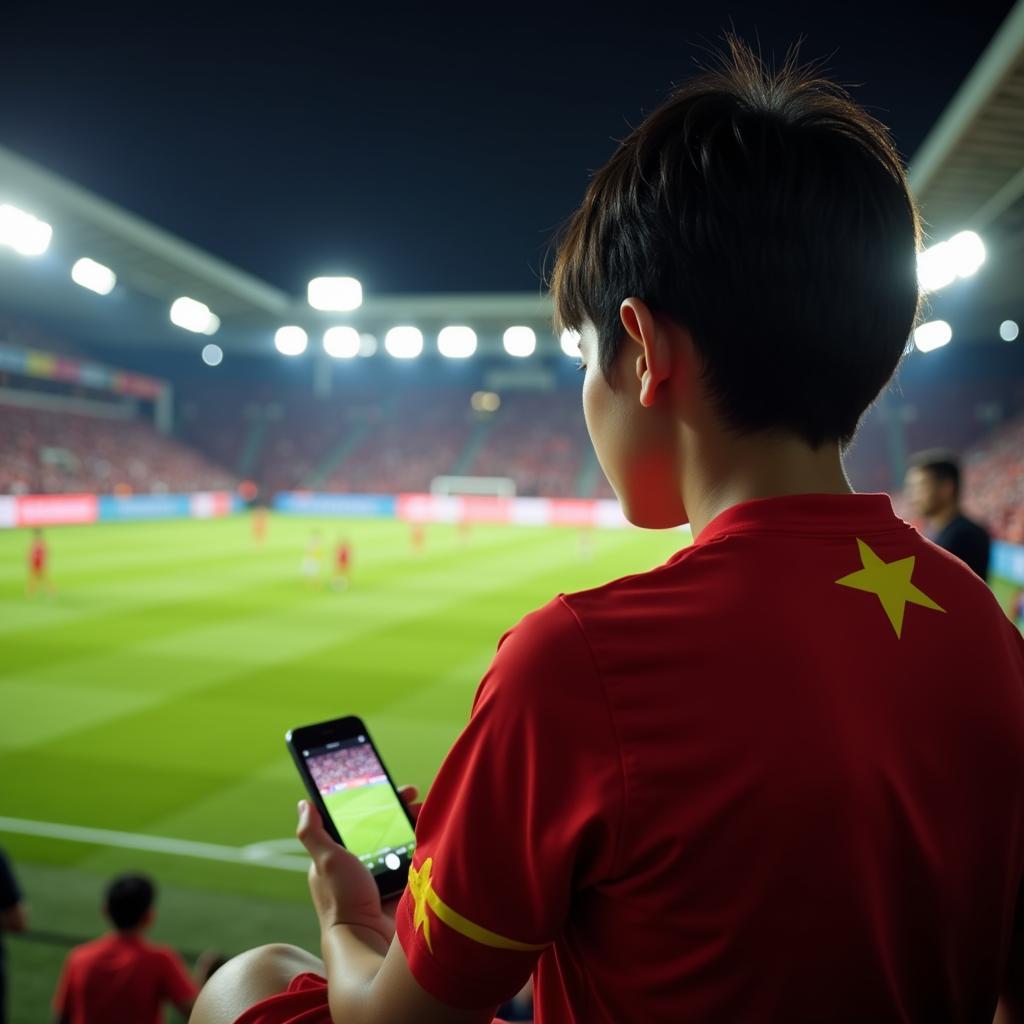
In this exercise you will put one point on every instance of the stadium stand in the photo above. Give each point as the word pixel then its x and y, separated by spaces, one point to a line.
pixel 539 441
pixel 994 481
pixel 379 441
pixel 46 451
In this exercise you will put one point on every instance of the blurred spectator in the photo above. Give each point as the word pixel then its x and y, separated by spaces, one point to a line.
pixel 933 490
pixel 121 978
pixel 13 918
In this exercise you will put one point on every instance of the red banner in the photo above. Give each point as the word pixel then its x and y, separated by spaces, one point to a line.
pixel 56 509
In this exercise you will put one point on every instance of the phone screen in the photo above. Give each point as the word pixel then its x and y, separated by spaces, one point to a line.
pixel 364 807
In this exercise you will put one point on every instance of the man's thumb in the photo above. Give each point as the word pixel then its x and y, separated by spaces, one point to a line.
pixel 310 831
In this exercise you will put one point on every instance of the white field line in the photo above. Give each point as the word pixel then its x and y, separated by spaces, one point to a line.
pixel 256 854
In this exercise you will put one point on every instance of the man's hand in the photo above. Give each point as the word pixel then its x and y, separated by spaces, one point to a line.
pixel 342 887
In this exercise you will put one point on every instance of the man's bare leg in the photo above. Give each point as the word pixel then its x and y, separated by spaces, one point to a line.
pixel 249 978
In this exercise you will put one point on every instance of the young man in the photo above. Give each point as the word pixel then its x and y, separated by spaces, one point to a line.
pixel 121 978
pixel 781 777
pixel 933 488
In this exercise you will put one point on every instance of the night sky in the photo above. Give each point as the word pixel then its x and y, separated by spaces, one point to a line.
pixel 421 148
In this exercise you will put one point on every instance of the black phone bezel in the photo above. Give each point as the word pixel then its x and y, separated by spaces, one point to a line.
pixel 390 883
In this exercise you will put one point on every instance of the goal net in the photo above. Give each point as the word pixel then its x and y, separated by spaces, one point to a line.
pixel 489 486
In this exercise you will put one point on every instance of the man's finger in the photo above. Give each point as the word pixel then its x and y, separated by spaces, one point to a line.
pixel 311 832
pixel 408 793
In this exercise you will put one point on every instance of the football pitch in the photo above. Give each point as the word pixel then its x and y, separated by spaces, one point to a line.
pixel 143 706
pixel 369 818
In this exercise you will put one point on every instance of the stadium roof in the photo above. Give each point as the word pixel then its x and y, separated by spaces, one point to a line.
pixel 156 267
pixel 969 173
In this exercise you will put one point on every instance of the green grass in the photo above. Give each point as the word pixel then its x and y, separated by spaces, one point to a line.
pixel 369 819
pixel 151 695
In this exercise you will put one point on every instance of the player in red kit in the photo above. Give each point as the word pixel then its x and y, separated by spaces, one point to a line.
pixel 780 778
pixel 39 564
pixel 342 565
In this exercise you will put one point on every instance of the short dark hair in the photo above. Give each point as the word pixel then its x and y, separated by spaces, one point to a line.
pixel 942 463
pixel 770 215
pixel 128 900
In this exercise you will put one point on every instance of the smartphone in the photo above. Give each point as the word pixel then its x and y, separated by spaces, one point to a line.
pixel 359 804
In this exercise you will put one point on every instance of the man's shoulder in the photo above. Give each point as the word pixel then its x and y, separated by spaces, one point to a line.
pixel 627 596
pixel 86 952
pixel 564 620
pixel 962 527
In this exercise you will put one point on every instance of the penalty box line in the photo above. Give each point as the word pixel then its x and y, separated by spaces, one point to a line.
pixel 256 854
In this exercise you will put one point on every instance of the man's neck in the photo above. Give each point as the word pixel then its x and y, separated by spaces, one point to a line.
pixel 943 518
pixel 746 469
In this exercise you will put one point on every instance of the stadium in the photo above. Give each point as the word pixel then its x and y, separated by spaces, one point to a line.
pixel 195 448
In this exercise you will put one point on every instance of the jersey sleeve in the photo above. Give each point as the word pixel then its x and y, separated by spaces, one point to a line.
pixel 178 986
pixel 524 814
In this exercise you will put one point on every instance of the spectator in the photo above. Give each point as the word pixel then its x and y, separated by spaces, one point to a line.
pixel 779 778
pixel 933 489
pixel 121 978
pixel 13 918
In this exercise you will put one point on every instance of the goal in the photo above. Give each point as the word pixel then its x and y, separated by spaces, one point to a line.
pixel 486 486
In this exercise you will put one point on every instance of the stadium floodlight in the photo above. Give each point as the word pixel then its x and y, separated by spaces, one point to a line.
pixel 456 342
pixel 22 232
pixel 94 276
pixel 367 345
pixel 932 335
pixel 1008 330
pixel 335 294
pixel 342 342
pixel 485 401
pixel 194 316
pixel 519 341
pixel 404 342
pixel 291 340
pixel 213 355
pixel 960 256
pixel 570 342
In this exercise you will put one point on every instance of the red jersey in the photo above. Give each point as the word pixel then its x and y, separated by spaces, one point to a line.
pixel 343 555
pixel 779 778
pixel 121 979
pixel 37 555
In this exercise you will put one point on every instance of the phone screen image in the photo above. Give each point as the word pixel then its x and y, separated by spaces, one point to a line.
pixel 366 812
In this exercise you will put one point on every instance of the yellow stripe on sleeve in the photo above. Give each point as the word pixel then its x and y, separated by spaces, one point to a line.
pixel 423 894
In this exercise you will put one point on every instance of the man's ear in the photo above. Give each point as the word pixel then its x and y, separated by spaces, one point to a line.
pixel 653 362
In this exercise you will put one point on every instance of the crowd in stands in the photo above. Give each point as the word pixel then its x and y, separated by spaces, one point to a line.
pixel 412 438
pixel 46 451
pixel 994 481
pixel 380 441
pixel 340 768
pixel 539 441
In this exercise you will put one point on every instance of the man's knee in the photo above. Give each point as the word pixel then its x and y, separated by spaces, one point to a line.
pixel 249 978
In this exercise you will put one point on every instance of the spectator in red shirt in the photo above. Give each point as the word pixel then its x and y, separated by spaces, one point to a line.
pixel 121 978
pixel 781 777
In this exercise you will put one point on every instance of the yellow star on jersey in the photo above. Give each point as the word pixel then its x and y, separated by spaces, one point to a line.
pixel 890 583
pixel 421 887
